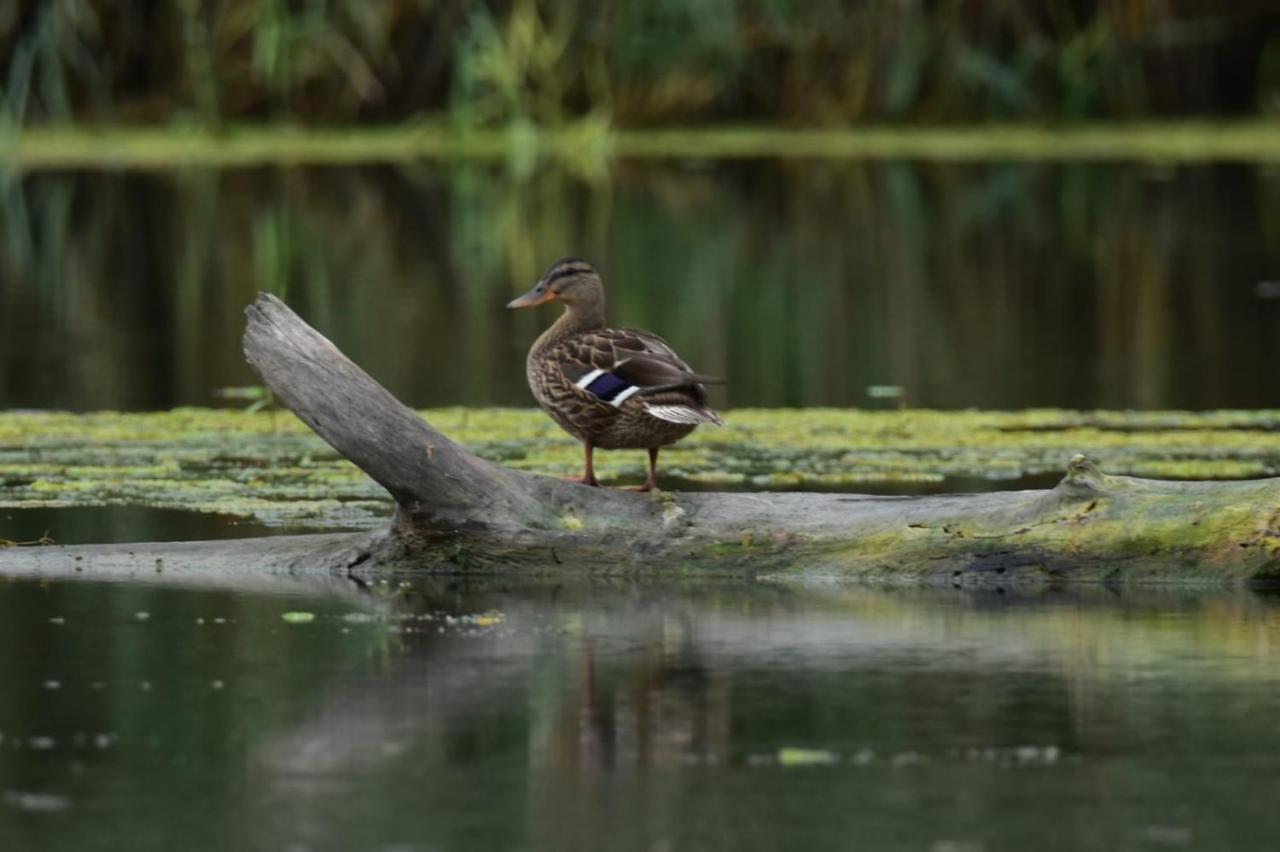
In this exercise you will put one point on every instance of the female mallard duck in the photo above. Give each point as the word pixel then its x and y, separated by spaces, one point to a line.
pixel 613 388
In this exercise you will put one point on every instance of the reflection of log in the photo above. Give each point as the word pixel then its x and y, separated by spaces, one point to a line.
pixel 274 564
pixel 457 512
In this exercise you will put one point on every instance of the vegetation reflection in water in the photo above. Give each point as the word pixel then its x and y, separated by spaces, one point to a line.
pixel 993 285
pixel 660 714
pixel 268 466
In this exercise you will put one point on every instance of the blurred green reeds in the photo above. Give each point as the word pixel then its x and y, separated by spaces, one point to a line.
pixel 517 63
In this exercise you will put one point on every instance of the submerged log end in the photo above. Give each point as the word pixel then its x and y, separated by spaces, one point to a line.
pixel 1110 527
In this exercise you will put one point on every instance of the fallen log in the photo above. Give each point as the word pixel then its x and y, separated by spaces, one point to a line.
pixel 456 512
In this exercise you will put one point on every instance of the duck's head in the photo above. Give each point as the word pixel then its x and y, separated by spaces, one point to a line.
pixel 570 280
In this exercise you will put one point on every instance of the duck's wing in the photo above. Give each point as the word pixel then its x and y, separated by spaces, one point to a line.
pixel 614 365
pixel 652 349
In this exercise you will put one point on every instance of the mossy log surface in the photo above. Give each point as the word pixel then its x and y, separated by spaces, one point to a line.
pixel 459 513
pixel 268 467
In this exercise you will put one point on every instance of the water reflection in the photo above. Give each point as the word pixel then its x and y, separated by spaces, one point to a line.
pixel 471 714
pixel 993 285
pixel 112 524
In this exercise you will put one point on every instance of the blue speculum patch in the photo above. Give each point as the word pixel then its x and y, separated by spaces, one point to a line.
pixel 607 386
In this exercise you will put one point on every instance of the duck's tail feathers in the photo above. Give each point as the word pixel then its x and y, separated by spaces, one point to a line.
pixel 684 414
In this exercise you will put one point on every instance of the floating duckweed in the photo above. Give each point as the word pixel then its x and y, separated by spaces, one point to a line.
pixel 794 757
pixel 268 466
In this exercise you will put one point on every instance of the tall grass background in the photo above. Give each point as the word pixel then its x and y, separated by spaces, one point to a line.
pixel 634 64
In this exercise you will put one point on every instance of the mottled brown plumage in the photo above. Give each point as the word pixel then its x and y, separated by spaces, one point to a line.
pixel 614 388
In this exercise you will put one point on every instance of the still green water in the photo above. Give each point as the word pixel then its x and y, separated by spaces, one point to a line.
pixel 482 715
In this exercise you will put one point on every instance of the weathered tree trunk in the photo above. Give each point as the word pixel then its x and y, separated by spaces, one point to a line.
pixel 460 512
pixel 457 512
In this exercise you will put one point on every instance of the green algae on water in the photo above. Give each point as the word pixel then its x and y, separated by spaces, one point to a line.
pixel 268 466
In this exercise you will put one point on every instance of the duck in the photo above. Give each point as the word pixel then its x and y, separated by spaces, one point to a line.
pixel 611 388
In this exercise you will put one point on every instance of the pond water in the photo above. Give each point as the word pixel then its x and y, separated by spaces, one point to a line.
pixel 111 524
pixel 804 282
pixel 474 714
pixel 485 714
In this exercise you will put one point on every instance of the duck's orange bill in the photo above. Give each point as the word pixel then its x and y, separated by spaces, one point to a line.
pixel 533 297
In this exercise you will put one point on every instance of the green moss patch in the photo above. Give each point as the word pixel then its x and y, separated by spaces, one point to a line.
pixel 268 466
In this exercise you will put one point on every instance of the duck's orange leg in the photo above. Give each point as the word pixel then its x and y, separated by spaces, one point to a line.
pixel 652 482
pixel 589 474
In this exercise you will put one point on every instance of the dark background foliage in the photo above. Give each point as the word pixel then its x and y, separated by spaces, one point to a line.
pixel 819 62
